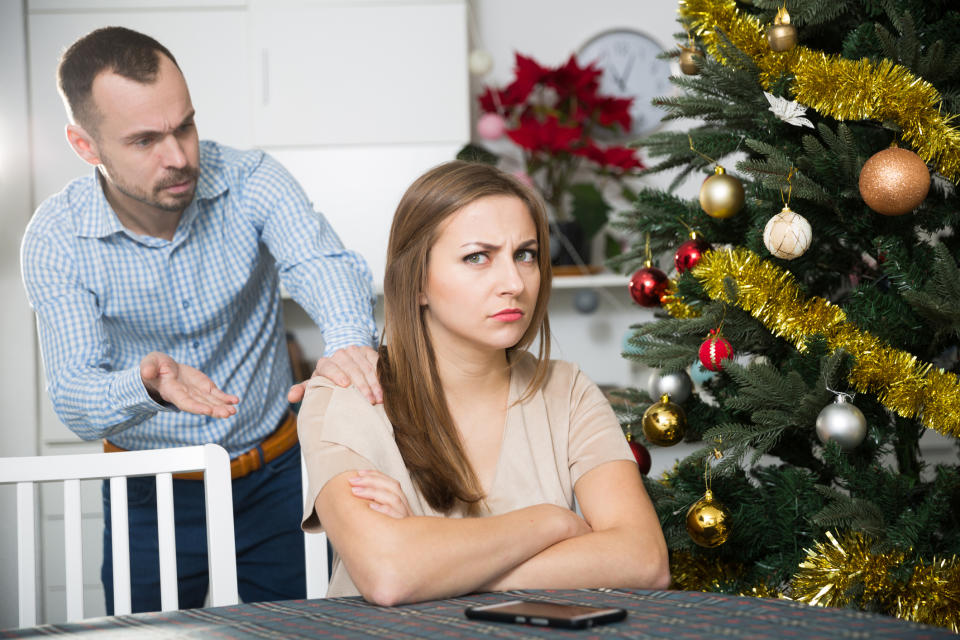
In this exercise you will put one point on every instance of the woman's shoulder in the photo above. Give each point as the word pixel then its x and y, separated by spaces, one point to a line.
pixel 335 403
pixel 561 374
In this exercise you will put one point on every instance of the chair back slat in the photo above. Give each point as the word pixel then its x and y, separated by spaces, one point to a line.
pixel 167 544
pixel 120 541
pixel 26 554
pixel 315 550
pixel 73 549
pixel 218 494
pixel 71 469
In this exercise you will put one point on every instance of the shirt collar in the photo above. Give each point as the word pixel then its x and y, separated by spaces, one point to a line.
pixel 100 220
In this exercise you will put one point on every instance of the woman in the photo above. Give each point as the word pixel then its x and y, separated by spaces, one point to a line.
pixel 464 479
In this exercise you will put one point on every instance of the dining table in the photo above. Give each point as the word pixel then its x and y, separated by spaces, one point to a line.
pixel 676 615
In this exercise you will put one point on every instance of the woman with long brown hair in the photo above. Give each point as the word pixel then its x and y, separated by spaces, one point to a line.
pixel 464 479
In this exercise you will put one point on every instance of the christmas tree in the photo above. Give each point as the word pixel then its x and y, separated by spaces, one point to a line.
pixel 822 288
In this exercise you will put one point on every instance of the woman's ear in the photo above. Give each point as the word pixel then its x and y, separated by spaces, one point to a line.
pixel 422 299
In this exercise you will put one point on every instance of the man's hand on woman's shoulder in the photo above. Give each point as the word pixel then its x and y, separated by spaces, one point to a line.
pixel 353 365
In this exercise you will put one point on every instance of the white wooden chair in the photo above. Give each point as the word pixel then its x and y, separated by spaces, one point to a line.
pixel 70 469
pixel 315 551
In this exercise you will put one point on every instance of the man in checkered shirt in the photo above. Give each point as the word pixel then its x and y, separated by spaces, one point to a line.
pixel 156 285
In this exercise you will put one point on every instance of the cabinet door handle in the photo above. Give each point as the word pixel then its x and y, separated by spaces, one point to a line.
pixel 265 76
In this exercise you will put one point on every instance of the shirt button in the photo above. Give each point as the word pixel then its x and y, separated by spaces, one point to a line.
pixel 196 344
pixel 186 304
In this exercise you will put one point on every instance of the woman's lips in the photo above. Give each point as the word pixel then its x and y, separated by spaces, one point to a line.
pixel 508 315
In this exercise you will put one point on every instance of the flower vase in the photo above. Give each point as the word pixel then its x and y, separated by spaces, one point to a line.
pixel 569 247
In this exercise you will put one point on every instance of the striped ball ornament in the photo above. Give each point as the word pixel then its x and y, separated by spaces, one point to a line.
pixel 714 350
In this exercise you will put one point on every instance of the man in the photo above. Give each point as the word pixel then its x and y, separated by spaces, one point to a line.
pixel 156 287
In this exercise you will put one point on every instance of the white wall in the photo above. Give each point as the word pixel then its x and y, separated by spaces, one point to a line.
pixel 18 391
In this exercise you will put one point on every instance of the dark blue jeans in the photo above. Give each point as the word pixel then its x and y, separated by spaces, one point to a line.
pixel 267 507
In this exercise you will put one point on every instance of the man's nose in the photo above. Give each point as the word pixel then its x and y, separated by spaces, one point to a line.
pixel 173 153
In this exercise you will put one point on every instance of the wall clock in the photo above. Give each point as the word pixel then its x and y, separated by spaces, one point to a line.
pixel 631 69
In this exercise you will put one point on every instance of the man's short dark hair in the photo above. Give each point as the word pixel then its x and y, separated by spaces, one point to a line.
pixel 118 50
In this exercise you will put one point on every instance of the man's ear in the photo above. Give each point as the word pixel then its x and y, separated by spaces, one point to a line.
pixel 83 144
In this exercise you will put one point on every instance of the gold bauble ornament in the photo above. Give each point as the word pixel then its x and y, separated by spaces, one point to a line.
pixel 782 36
pixel 721 195
pixel 688 60
pixel 894 181
pixel 787 235
pixel 708 522
pixel 664 423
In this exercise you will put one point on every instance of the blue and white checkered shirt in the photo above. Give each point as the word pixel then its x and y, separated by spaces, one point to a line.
pixel 210 298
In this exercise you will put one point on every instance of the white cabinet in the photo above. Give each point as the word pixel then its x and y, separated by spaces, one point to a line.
pixel 337 73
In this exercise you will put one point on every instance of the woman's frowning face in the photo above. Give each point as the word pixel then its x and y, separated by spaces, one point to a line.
pixel 483 278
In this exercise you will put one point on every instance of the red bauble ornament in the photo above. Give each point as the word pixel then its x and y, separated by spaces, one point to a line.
pixel 648 285
pixel 642 455
pixel 689 253
pixel 714 350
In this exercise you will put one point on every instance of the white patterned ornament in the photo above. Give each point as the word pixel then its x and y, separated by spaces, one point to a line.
pixel 787 234
pixel 480 62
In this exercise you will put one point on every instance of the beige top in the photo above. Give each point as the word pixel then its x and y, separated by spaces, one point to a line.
pixel 549 441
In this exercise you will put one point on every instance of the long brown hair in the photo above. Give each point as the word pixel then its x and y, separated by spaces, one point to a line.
pixel 413 396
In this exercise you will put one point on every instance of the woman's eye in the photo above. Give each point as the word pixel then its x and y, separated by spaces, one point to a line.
pixel 476 258
pixel 526 255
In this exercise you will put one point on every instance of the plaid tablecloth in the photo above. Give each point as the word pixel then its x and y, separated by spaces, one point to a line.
pixel 676 615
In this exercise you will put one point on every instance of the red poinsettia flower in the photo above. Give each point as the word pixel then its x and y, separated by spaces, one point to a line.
pixel 527 75
pixel 611 111
pixel 572 80
pixel 545 135
pixel 613 157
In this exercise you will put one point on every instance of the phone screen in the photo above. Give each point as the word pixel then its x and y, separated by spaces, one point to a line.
pixel 546 613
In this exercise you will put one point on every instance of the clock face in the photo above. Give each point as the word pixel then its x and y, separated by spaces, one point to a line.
pixel 631 69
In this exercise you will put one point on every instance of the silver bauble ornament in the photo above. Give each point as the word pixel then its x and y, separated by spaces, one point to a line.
pixel 842 422
pixel 677 385
pixel 586 301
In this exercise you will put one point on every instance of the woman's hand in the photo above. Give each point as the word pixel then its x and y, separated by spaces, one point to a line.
pixel 383 492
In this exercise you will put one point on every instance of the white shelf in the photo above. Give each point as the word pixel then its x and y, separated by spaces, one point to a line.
pixel 605 280
pixel 601 280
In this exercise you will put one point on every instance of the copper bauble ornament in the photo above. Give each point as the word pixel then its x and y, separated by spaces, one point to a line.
pixel 787 235
pixel 688 60
pixel 842 422
pixel 894 181
pixel 721 195
pixel 782 36
pixel 708 521
pixel 664 423
pixel 648 285
pixel 689 253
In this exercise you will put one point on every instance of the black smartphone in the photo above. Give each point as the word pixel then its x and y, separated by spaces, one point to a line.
pixel 546 614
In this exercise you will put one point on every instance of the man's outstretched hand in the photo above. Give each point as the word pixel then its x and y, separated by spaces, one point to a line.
pixel 184 387
pixel 355 366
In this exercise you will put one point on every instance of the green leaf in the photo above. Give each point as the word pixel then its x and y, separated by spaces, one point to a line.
pixel 476 153
pixel 589 208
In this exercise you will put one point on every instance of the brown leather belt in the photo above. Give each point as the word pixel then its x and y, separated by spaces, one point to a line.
pixel 277 443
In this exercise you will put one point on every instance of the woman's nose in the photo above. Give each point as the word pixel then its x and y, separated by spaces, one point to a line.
pixel 511 282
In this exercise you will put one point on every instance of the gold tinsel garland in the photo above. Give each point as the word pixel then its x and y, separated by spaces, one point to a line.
pixel 837 573
pixel 836 87
pixel 902 383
